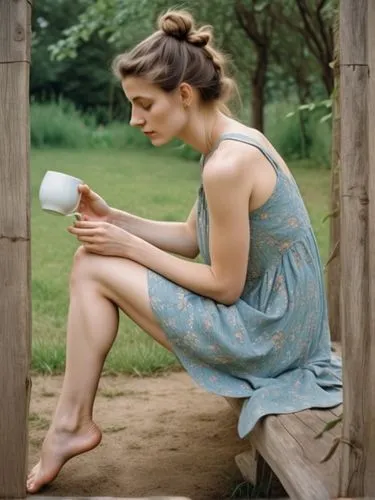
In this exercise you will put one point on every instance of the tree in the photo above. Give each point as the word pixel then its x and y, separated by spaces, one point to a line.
pixel 258 24
pixel 315 25
pixel 75 62
pixel 256 34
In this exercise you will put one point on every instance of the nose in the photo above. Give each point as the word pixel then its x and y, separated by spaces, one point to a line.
pixel 136 120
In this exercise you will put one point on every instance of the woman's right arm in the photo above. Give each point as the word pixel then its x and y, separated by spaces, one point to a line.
pixel 175 237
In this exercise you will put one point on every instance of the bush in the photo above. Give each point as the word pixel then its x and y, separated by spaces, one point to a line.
pixel 286 135
pixel 58 124
pixel 124 136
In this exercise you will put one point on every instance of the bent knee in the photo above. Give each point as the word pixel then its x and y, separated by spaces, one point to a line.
pixel 98 268
pixel 84 264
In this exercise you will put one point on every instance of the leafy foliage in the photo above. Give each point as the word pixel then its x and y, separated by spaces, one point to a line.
pixel 279 50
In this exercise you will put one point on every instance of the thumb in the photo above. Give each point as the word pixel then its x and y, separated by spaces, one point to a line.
pixel 84 189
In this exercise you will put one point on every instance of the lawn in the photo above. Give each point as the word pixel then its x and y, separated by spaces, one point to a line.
pixel 148 184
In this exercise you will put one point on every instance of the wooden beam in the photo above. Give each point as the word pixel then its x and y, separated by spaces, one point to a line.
pixel 357 474
pixel 15 311
pixel 369 480
pixel 333 268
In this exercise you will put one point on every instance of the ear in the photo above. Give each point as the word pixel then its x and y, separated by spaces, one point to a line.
pixel 186 94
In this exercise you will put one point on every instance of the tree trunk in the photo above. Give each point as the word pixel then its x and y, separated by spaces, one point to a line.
pixel 111 97
pixel 333 267
pixel 258 83
pixel 303 94
pixel 327 77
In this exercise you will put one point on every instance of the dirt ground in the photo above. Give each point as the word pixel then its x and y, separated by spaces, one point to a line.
pixel 161 436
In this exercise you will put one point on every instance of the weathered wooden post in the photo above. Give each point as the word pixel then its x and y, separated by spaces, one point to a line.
pixel 333 267
pixel 357 42
pixel 15 312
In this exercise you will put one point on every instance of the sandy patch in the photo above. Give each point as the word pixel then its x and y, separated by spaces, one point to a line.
pixel 161 436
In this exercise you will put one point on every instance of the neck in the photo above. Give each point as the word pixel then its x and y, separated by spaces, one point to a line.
pixel 203 129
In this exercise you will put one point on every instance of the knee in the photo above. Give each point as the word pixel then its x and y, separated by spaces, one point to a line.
pixel 83 266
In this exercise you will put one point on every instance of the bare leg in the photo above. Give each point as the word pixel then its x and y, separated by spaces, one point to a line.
pixel 99 286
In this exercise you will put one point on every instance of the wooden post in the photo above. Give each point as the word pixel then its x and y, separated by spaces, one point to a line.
pixel 357 248
pixel 369 390
pixel 333 267
pixel 15 312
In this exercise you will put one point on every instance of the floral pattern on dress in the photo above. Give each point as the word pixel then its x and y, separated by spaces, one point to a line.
pixel 272 347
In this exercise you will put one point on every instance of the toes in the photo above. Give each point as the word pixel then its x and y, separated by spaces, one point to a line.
pixel 34 470
pixel 30 483
pixel 31 475
pixel 30 487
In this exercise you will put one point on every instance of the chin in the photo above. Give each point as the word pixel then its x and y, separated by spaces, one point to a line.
pixel 158 141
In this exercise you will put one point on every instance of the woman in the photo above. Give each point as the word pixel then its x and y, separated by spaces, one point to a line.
pixel 249 322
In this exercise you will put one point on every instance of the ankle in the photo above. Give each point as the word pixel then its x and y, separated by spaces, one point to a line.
pixel 72 422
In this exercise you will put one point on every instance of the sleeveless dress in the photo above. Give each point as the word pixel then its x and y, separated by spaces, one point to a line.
pixel 272 346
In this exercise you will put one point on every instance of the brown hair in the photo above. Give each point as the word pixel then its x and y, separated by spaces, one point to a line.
pixel 178 52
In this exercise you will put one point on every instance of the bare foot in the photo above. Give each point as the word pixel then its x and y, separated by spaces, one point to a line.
pixel 60 446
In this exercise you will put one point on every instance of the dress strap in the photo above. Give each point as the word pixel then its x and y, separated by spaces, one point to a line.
pixel 236 136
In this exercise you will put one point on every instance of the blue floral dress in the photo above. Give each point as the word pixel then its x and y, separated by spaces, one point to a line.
pixel 272 346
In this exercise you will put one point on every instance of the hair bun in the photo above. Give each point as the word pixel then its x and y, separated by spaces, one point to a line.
pixel 178 24
pixel 201 37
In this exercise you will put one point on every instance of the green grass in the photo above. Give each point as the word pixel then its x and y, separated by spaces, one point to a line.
pixel 149 184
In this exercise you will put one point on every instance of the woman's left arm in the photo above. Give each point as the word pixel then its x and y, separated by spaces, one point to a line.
pixel 227 194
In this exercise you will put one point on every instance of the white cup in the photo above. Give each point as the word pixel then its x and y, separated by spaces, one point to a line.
pixel 59 194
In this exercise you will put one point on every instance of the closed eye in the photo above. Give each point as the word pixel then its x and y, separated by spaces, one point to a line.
pixel 144 105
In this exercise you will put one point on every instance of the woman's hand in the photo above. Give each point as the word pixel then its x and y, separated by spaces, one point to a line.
pixel 92 207
pixel 102 238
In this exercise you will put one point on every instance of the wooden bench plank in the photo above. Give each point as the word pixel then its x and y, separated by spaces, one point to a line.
pixel 314 450
pixel 318 419
pixel 287 443
pixel 247 463
pixel 328 415
pixel 288 460
pixel 337 411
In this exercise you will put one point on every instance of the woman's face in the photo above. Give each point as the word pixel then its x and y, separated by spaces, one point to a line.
pixel 160 115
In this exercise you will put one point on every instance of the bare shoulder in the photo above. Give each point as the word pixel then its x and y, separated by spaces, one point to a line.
pixel 232 161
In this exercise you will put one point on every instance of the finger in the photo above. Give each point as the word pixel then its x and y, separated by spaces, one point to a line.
pixel 82 231
pixel 83 216
pixel 92 248
pixel 84 189
pixel 88 239
pixel 86 224
pixel 89 193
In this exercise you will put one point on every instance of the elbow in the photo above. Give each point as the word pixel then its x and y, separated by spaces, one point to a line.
pixel 228 296
pixel 192 253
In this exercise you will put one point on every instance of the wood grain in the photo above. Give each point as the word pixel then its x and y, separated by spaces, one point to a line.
pixel 369 374
pixel 247 463
pixel 353 21
pixel 288 444
pixel 357 475
pixel 15 308
pixel 333 272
